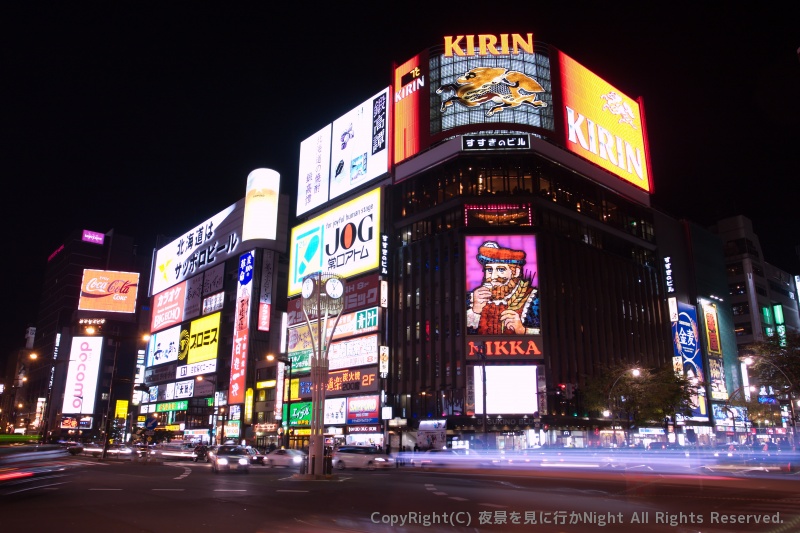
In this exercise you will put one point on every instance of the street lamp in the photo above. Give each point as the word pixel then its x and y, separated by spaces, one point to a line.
pixel 286 361
pixel 482 357
pixel 322 298
pixel 754 359
pixel 742 391
pixel 213 431
pixel 635 372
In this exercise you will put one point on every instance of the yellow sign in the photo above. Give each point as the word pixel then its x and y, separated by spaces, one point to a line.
pixel 203 339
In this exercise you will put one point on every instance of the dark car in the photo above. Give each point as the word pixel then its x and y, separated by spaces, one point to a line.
pixel 200 453
pixel 230 457
pixel 256 456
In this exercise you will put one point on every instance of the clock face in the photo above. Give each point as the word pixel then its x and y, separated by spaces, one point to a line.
pixel 334 288
pixel 308 288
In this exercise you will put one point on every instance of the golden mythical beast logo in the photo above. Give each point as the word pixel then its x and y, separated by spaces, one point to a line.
pixel 503 87
pixel 617 106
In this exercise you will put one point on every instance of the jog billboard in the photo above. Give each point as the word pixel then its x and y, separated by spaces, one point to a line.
pixel 344 241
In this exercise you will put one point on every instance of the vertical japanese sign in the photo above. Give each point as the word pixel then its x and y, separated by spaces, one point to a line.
pixel 265 300
pixel 686 342
pixel 241 325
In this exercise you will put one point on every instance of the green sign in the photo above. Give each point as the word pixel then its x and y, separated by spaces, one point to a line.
pixel 301 414
pixel 180 405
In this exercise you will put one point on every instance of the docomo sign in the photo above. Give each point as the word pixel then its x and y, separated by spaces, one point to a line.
pixel 105 290
pixel 81 386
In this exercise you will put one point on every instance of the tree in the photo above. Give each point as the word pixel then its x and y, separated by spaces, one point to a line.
pixel 776 361
pixel 649 398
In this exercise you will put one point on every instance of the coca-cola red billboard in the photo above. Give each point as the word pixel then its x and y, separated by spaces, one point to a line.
pixel 106 290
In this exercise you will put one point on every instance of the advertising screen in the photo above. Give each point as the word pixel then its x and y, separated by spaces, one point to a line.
pixel 344 241
pixel 203 339
pixel 488 79
pixel 354 352
pixel 360 145
pixel 335 411
pixel 363 409
pixel 689 357
pixel 241 327
pixel 509 389
pixel 602 124
pixel 164 346
pixel 81 385
pixel 110 291
pixel 411 109
pixel 502 291
pixel 315 168
pixel 354 150
pixel 206 245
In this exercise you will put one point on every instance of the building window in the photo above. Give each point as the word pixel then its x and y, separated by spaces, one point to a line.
pixel 735 269
pixel 737 288
pixel 743 329
pixel 741 309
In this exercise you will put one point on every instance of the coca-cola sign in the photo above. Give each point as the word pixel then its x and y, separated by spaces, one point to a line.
pixel 106 290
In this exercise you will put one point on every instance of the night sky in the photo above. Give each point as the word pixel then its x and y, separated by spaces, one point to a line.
pixel 146 119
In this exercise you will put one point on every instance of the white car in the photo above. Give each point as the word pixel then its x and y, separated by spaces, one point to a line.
pixel 114 450
pixel 369 457
pixel 286 458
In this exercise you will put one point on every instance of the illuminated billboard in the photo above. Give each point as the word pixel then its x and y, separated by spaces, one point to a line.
pixel 363 409
pixel 108 290
pixel 411 107
pixel 689 358
pixel 509 389
pixel 344 240
pixel 203 340
pixel 335 411
pixel 357 153
pixel 480 80
pixel 81 385
pixel 502 285
pixel 164 347
pixel 602 124
pixel 315 168
pixel 241 328
pixel 261 205
pixel 358 351
pixel 204 246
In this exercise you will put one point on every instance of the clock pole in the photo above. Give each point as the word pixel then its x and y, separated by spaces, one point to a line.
pixel 322 299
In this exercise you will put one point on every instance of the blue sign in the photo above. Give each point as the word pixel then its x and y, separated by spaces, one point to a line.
pixel 151 423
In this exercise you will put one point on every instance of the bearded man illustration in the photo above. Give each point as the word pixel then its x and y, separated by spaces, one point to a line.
pixel 507 302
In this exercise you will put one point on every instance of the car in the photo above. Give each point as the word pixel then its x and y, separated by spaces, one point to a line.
pixel 369 457
pixel 256 456
pixel 210 451
pixel 231 457
pixel 200 453
pixel 114 450
pixel 74 448
pixel 173 451
pixel 287 458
